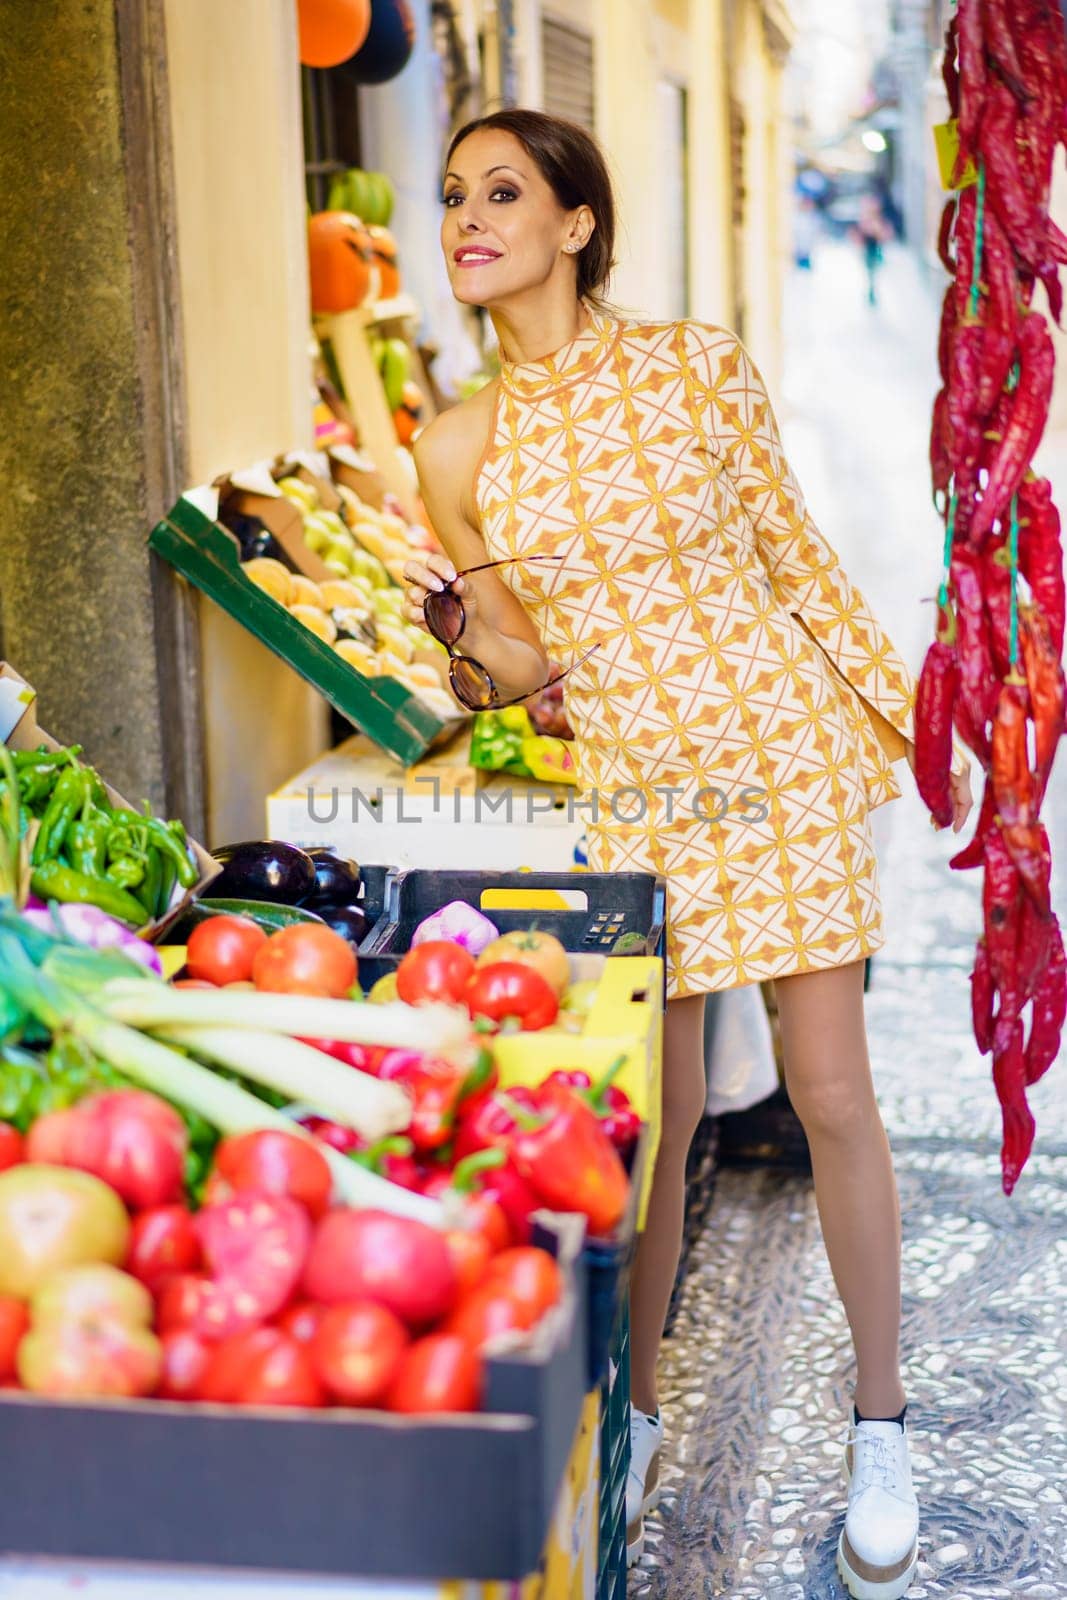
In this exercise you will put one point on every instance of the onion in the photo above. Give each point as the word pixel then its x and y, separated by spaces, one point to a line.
pixel 89 925
pixel 459 922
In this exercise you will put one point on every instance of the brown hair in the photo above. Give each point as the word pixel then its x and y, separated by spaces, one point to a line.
pixel 573 166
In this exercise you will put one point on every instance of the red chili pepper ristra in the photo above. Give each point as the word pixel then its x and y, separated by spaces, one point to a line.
pixel 935 701
pixel 1050 1010
pixel 1041 555
pixel 1001 48
pixel 982 993
pixel 1009 1079
pixel 1037 361
pixel 1044 680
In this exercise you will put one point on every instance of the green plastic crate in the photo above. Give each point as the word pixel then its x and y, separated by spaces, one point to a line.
pixel 614 1462
pixel 206 553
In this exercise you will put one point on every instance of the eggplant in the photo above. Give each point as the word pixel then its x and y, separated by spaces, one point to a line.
pixel 351 922
pixel 337 881
pixel 264 869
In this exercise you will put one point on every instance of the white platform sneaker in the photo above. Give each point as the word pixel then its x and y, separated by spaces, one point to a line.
pixel 642 1485
pixel 878 1551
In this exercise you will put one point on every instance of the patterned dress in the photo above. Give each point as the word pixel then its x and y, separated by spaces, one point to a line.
pixel 736 725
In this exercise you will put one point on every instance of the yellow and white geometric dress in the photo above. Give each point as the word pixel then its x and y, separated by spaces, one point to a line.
pixel 735 727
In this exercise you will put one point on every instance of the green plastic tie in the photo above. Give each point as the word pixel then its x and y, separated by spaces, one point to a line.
pixel 1013 550
pixel 979 241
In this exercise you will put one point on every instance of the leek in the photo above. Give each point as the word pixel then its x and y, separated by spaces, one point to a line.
pixel 166 1072
pixel 342 1093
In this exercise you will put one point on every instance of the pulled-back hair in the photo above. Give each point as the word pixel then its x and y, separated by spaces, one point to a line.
pixel 572 164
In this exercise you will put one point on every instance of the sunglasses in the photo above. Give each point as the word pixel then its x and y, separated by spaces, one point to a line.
pixel 472 684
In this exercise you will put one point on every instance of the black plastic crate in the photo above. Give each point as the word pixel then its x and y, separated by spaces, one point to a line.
pixel 615 903
pixel 608 1264
pixel 614 1463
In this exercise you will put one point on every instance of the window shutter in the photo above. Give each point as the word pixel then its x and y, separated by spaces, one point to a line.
pixel 567 57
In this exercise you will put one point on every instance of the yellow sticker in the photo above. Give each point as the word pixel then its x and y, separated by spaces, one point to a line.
pixel 947 142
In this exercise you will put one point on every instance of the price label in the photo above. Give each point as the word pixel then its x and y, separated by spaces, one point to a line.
pixel 947 143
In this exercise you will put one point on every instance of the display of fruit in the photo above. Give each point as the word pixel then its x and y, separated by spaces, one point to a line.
pixel 369 195
pixel 341 263
pixel 384 248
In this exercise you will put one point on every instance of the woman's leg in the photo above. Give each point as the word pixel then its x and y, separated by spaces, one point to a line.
pixel 684 1098
pixel 828 1077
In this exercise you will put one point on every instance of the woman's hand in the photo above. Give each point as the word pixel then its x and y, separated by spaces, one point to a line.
pixel 959 783
pixel 431 573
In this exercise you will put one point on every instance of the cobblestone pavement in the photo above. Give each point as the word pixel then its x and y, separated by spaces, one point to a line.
pixel 758 1371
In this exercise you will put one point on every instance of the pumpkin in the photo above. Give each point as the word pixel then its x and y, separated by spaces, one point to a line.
pixel 340 262
pixel 383 246
pixel 331 30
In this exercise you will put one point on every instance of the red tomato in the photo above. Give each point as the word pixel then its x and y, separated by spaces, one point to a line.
pixel 305 958
pixel 272 1162
pixel 374 1255
pixel 436 970
pixel 470 1254
pixel 222 949
pixel 512 989
pixel 179 1300
pixel 14 1320
pixel 438 1373
pixel 301 1321
pixel 356 1351
pixel 163 1243
pixel 261 1367
pixel 485 1314
pixel 255 1246
pixel 185 1362
pixel 529 1276
pixel 10 1146
pixel 134 1141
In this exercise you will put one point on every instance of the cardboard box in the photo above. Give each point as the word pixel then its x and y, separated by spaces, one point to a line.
pixel 354 1493
pixel 20 730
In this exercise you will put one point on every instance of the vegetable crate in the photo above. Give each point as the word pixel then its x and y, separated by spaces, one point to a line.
pixel 614 1462
pixel 363 1494
pixel 193 542
pixel 586 911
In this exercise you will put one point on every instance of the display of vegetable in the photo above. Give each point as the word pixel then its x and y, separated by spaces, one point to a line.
pixel 83 849
pixel 994 670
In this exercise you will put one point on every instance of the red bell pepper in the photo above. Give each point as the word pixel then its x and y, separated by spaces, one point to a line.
pixel 482 1211
pixel 505 990
pixel 487 1124
pixel 570 1161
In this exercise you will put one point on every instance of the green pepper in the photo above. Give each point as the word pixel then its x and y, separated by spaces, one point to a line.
pixel 43 757
pixel 148 891
pixel 165 838
pixel 127 871
pixel 168 877
pixel 51 880
pixel 71 793
pixel 36 785
pixel 87 842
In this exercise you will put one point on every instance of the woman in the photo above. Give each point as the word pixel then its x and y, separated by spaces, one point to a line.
pixel 734 702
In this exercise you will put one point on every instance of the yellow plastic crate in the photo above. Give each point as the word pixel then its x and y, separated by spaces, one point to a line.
pixel 626 1018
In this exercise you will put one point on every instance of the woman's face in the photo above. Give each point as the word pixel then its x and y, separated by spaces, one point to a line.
pixel 503 230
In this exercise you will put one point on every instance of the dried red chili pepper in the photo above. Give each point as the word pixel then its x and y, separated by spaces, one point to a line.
pixel 1009 1079
pixel 1028 844
pixel 1013 784
pixel 963 240
pixel 964 422
pixel 999 277
pixel 1050 1010
pixel 949 72
pixel 945 333
pixel 1044 680
pixel 1041 554
pixel 935 700
pixel 1001 908
pixel 996 587
pixel 997 354
pixel 972 854
pixel 1000 47
pixel 1022 218
pixel 978 683
pixel 940 460
pixel 982 999
pixel 1029 413
pixel 973 80
pixel 1035 947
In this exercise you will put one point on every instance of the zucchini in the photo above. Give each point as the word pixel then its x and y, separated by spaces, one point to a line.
pixel 267 914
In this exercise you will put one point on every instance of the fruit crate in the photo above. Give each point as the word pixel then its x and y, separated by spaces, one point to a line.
pixel 614 1462
pixel 191 540
pixel 587 911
